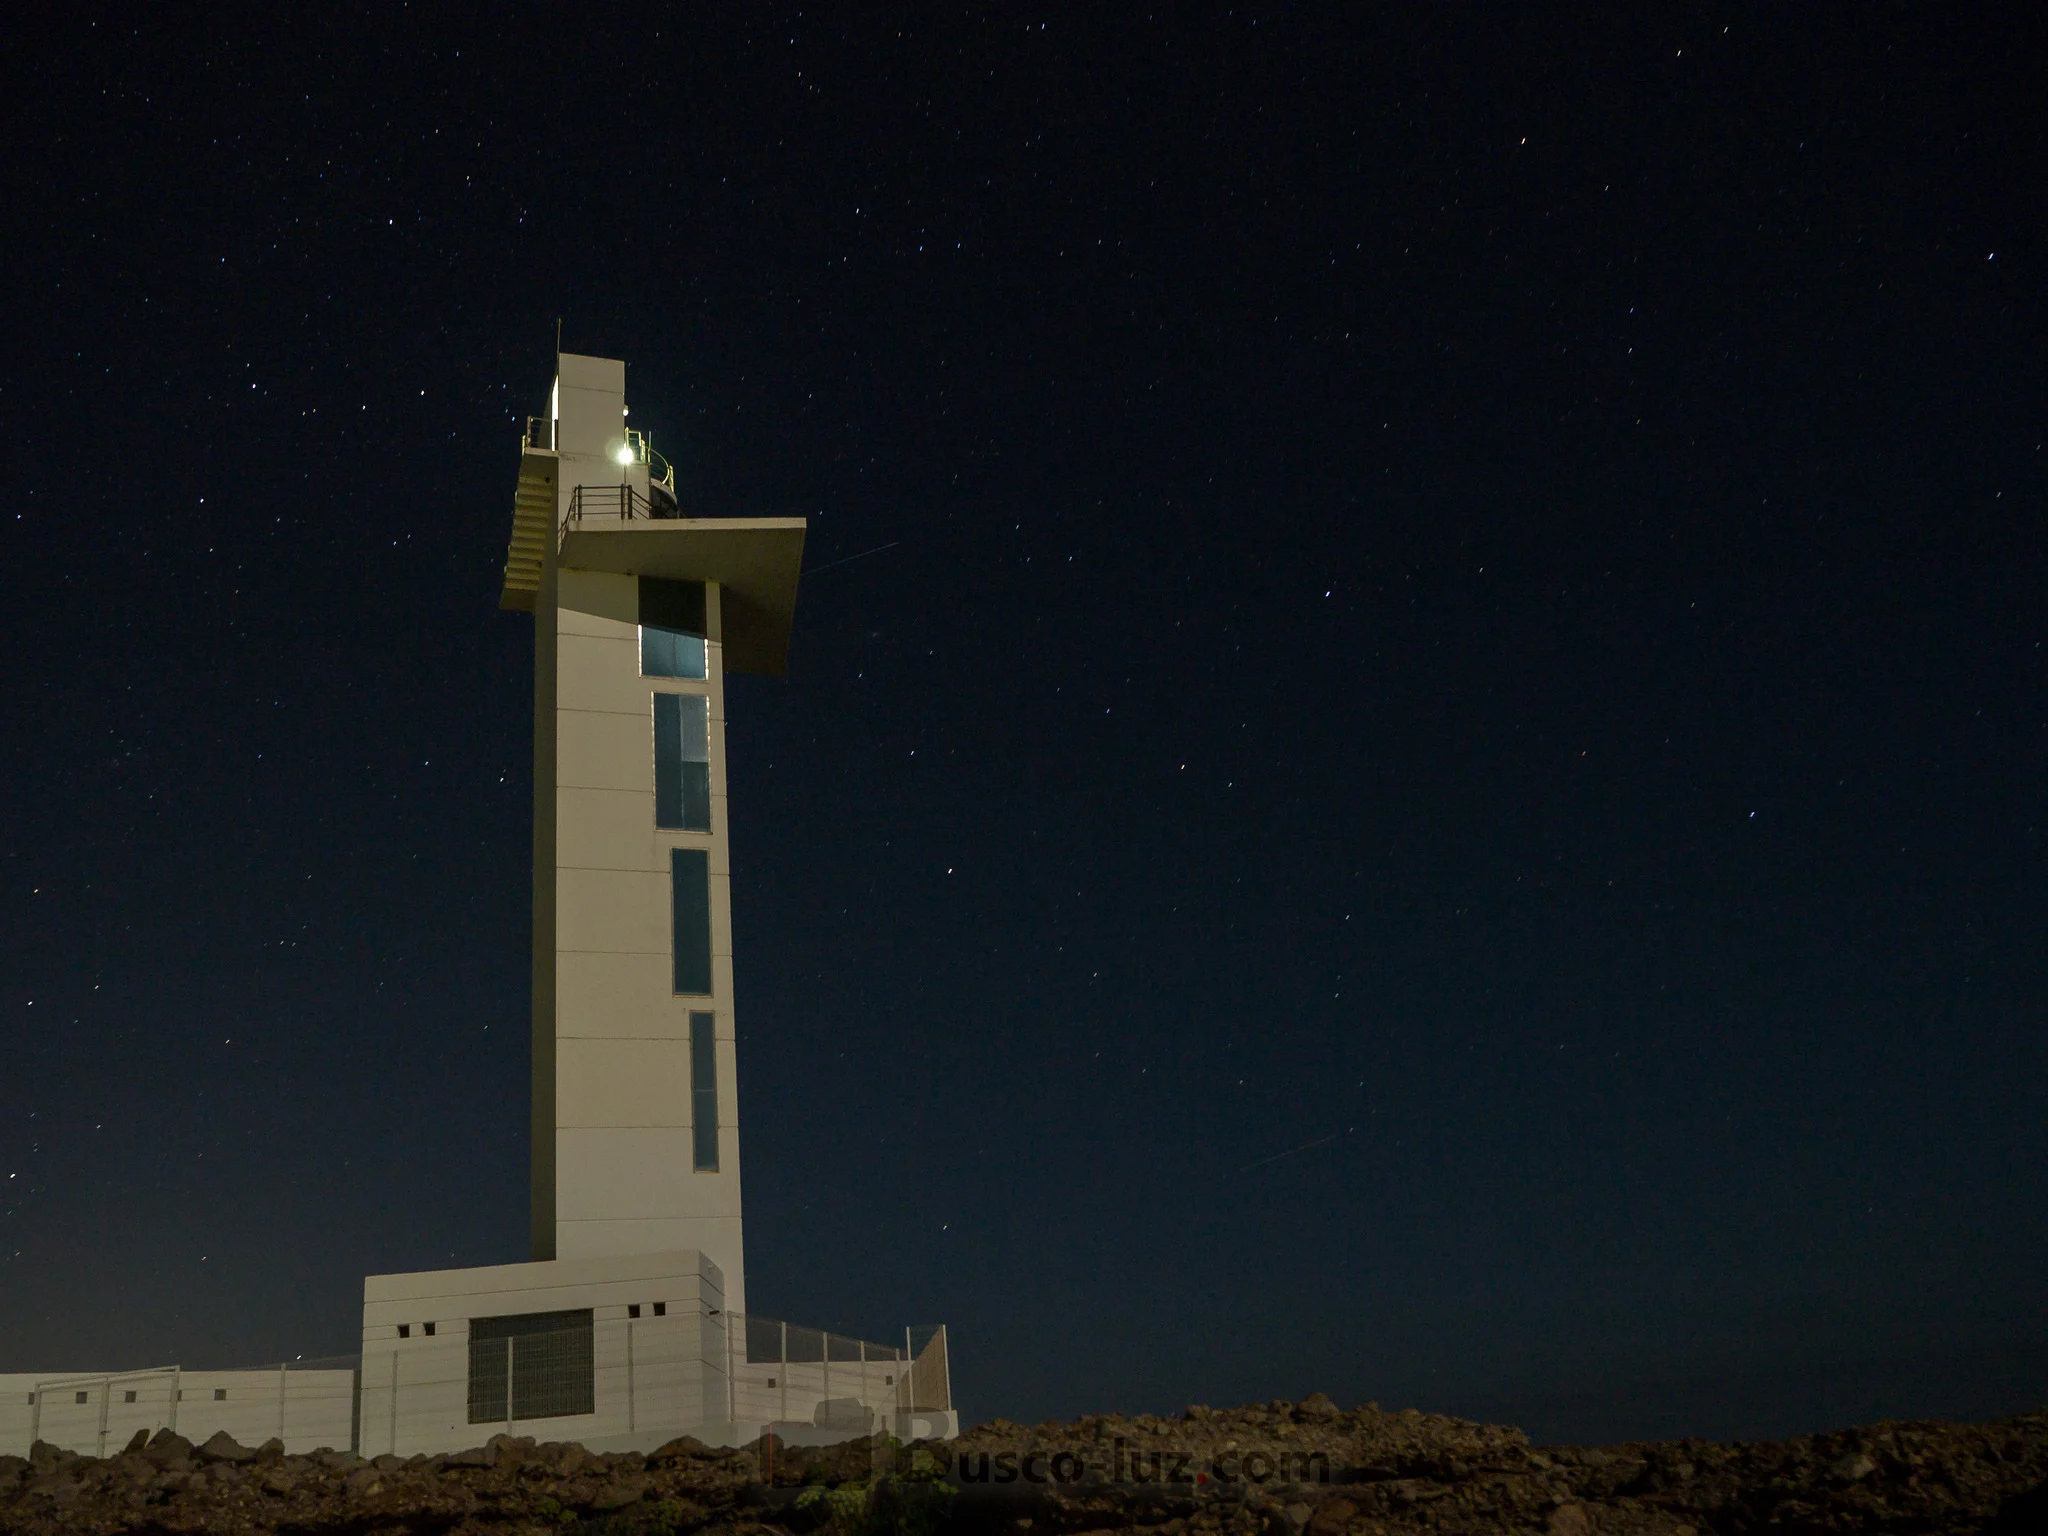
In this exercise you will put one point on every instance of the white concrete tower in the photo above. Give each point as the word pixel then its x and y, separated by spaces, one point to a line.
pixel 640 610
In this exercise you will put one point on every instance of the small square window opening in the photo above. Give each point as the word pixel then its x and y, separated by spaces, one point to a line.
pixel 661 1309
pixel 428 1328
pixel 220 1394
pixel 127 1397
pixel 633 1310
pixel 82 1397
pixel 405 1330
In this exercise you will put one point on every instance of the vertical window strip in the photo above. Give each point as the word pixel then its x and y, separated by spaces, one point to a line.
pixel 690 911
pixel 668 760
pixel 682 762
pixel 704 1091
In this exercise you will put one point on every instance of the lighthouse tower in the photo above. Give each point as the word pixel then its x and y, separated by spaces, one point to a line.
pixel 639 614
pixel 628 1325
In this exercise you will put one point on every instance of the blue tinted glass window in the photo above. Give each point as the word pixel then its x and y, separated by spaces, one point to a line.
pixel 682 762
pixel 670 653
pixel 689 872
pixel 704 1091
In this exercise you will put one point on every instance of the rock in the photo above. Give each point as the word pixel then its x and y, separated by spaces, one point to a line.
pixel 222 1446
pixel 1852 1468
pixel 1568 1520
pixel 475 1456
pixel 277 1479
pixel 364 1483
pixel 43 1455
pixel 511 1449
pixel 270 1451
pixel 136 1442
pixel 1316 1405
pixel 627 1490
pixel 387 1463
pixel 1296 1517
pixel 1332 1517
pixel 167 1446
pixel 682 1448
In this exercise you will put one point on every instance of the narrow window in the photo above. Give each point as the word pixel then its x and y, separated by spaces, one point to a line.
pixel 671 628
pixel 661 1309
pixel 127 1397
pixel 690 909
pixel 405 1330
pixel 428 1329
pixel 633 1309
pixel 220 1394
pixel 704 1091
pixel 682 762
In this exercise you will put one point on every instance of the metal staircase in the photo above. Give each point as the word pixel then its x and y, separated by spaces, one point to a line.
pixel 533 525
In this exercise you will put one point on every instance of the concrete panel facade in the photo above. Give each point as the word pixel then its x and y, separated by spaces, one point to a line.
pixel 658 1348
pixel 614 1143
pixel 96 1415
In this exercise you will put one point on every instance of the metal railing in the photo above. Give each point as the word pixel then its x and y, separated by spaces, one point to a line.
pixel 617 503
pixel 542 433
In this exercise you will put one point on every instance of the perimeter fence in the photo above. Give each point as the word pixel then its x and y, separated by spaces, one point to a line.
pixel 613 1380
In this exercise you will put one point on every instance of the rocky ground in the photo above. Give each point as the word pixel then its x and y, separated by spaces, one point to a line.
pixel 1284 1469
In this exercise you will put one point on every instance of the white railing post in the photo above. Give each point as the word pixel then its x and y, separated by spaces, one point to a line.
pixel 394 1401
pixel 281 1365
pixel 631 1418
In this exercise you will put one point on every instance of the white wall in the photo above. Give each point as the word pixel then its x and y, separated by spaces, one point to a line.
pixel 623 1172
pixel 660 1375
pixel 308 1410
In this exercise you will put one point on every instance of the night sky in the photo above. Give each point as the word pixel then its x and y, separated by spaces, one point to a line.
pixel 1414 764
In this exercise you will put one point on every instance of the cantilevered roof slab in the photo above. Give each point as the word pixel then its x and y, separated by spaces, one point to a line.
pixel 754 560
